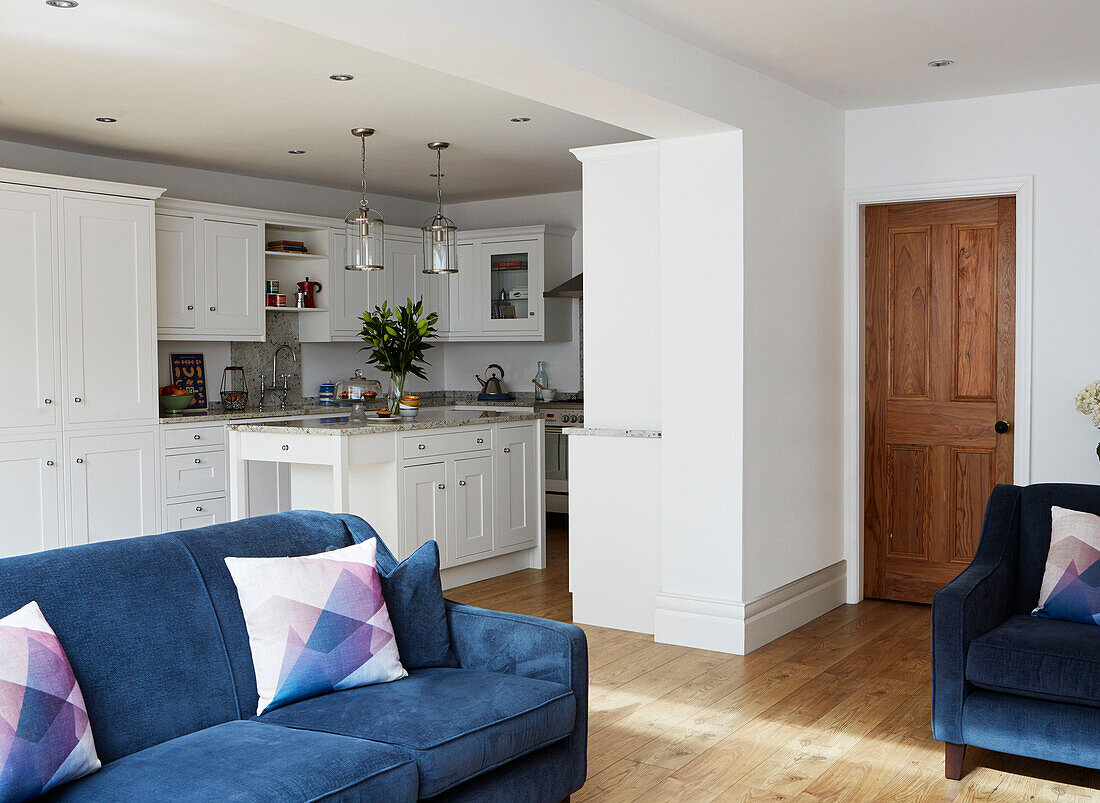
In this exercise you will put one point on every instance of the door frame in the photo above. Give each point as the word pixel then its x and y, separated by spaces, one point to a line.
pixel 1022 187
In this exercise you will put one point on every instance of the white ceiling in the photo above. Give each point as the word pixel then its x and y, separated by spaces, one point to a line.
pixel 197 84
pixel 861 53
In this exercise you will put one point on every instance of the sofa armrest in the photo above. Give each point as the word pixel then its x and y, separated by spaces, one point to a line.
pixel 530 647
pixel 975 602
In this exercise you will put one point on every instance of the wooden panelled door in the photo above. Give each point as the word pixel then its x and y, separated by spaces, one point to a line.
pixel 941 299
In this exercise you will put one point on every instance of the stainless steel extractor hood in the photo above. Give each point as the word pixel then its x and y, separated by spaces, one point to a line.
pixel 568 289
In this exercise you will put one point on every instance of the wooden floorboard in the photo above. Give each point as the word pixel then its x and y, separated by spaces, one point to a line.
pixel 838 710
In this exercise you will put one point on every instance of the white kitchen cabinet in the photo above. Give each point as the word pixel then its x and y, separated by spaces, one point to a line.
pixel 471 487
pixel 112 484
pixel 209 274
pixel 464 292
pixel 31 399
pixel 425 515
pixel 350 291
pixel 30 496
pixel 233 270
pixel 518 485
pixel 199 513
pixel 108 310
pixel 177 273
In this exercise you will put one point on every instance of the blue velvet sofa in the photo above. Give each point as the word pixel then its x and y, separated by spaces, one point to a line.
pixel 1002 679
pixel 156 637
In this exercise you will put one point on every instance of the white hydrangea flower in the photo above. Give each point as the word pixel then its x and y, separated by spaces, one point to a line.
pixel 1088 402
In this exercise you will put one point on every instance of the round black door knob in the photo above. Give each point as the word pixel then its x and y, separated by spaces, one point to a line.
pixel 1001 427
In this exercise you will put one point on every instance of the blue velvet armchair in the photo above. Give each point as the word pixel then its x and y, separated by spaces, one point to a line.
pixel 1001 678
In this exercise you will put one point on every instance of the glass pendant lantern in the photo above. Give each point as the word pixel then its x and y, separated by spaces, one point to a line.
pixel 440 233
pixel 365 240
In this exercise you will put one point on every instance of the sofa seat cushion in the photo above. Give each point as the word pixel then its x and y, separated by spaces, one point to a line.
pixel 1047 659
pixel 455 723
pixel 251 761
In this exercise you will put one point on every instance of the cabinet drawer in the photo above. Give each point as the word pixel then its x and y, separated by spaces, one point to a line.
pixel 201 513
pixel 179 437
pixel 464 440
pixel 194 473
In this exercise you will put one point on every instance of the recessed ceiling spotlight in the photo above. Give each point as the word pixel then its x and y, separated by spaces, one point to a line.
pixel 296 151
pixel 520 120
pixel 341 76
pixel 941 63
pixel 62 3
pixel 106 119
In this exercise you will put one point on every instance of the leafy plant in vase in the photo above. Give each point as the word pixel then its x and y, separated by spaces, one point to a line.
pixel 1088 402
pixel 397 339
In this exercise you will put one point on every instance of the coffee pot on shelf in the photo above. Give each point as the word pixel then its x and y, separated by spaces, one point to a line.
pixel 307 291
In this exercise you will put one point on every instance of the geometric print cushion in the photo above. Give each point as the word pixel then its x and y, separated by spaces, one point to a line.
pixel 316 623
pixel 45 738
pixel 1071 581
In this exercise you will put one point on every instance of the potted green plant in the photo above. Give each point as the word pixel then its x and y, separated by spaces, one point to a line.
pixel 397 339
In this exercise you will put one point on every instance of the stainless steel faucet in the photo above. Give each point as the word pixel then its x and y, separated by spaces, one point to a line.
pixel 282 392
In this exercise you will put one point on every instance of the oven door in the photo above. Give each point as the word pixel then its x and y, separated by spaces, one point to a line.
pixel 557 470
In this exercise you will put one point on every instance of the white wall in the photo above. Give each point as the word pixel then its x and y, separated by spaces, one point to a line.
pixel 1051 135
pixel 206 185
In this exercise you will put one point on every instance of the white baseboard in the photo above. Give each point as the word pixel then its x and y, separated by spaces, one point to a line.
pixel 741 627
pixel 485 569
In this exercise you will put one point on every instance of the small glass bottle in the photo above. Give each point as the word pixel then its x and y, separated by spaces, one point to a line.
pixel 540 378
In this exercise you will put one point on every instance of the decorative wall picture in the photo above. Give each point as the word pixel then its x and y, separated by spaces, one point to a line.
pixel 189 371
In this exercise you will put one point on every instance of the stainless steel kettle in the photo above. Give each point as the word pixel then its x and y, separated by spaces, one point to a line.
pixel 492 386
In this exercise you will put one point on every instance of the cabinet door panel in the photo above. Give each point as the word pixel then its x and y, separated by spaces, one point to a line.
pixel 177 273
pixel 473 493
pixel 511 286
pixel 463 290
pixel 425 506
pixel 233 277
pixel 517 486
pixel 351 290
pixel 404 262
pixel 188 515
pixel 110 334
pixel 28 327
pixel 112 489
pixel 30 482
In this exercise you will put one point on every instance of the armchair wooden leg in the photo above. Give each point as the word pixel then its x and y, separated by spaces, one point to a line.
pixel 953 755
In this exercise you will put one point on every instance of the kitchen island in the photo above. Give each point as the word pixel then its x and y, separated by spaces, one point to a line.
pixel 469 479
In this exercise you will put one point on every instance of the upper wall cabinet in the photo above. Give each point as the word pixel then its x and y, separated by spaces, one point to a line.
pixel 210 274
pixel 212 265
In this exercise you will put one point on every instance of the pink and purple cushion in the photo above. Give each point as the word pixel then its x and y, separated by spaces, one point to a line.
pixel 45 738
pixel 1071 579
pixel 316 623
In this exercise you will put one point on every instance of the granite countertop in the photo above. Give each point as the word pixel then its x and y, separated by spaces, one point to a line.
pixel 429 418
pixel 216 413
pixel 612 432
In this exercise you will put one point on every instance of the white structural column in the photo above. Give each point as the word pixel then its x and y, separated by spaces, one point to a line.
pixel 702 348
pixel 614 476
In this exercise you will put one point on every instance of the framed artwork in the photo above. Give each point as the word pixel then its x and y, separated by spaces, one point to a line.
pixel 189 371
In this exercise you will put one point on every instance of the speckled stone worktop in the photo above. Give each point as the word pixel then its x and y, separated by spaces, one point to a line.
pixel 216 413
pixel 429 418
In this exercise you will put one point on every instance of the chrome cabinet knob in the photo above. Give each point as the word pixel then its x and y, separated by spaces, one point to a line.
pixel 481 440
pixel 212 309
pixel 49 462
pixel 421 446
pixel 507 450
pixel 78 400
pixel 80 460
pixel 198 437
pixel 190 307
pixel 198 508
pixel 462 482
pixel 441 486
pixel 48 401
pixel 531 314
pixel 286 447
pixel 198 459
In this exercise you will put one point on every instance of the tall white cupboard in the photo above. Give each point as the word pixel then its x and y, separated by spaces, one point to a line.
pixel 78 408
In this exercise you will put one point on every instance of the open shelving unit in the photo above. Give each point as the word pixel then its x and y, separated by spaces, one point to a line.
pixel 289 268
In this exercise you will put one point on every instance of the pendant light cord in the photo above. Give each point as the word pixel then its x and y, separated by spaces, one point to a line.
pixel 363 160
pixel 439 181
